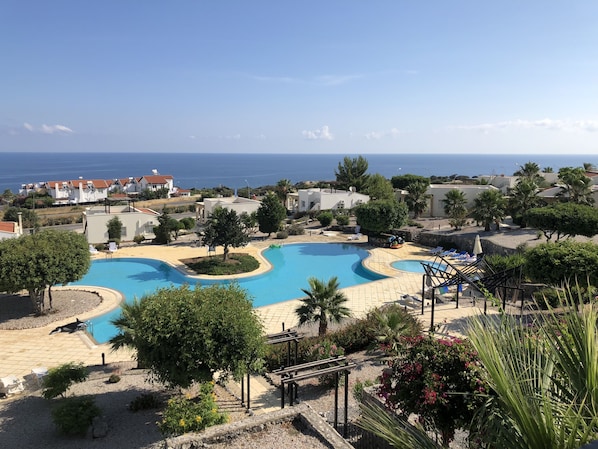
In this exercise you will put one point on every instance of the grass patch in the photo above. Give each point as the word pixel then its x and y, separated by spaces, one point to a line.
pixel 236 263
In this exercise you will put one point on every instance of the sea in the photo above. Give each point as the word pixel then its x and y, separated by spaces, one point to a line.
pixel 241 170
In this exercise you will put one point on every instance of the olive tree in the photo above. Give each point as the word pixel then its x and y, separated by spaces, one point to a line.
pixel 564 220
pixel 185 335
pixel 270 214
pixel 38 261
pixel 380 216
pixel 224 227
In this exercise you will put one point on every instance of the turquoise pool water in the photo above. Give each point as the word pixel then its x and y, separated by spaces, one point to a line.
pixel 292 265
pixel 414 266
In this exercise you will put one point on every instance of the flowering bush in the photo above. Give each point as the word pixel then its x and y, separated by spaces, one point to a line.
pixel 440 380
pixel 185 414
pixel 324 350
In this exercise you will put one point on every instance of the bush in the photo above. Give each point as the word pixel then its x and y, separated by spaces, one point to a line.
pixel 59 379
pixel 325 350
pixel 138 238
pixel 296 229
pixel 73 416
pixel 342 220
pixel 359 387
pixel 548 297
pixel 282 235
pixel 325 218
pixel 146 401
pixel 184 415
pixel 188 223
pixel 114 379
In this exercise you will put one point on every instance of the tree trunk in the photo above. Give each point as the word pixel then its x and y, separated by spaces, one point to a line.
pixel 37 298
pixel 323 328
pixel 50 297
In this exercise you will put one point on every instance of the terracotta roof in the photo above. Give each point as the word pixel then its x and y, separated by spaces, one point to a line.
pixel 8 226
pixel 158 179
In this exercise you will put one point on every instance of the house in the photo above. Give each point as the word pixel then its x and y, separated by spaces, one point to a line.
pixel 78 191
pixel 438 193
pixel 316 199
pixel 10 230
pixel 129 186
pixel 157 182
pixel 135 221
pixel 205 208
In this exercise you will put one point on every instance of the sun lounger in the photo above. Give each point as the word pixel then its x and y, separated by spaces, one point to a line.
pixel 11 385
pixel 449 252
pixel 436 250
pixel 93 249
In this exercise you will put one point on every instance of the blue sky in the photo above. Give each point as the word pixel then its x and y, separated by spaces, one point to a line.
pixel 300 77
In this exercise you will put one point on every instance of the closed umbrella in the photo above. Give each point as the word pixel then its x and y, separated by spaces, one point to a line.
pixel 477 245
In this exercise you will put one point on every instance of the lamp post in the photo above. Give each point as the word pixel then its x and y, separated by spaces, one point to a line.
pixel 248 190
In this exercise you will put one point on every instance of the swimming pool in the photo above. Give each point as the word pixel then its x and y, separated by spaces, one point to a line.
pixel 415 266
pixel 292 265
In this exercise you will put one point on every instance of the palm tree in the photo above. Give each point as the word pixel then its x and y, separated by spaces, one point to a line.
pixel 524 197
pixel 130 318
pixel 417 198
pixel 283 187
pixel 454 207
pixel 530 171
pixel 489 207
pixel 324 303
pixel 577 187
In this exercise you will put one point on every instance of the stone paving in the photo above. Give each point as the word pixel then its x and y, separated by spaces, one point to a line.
pixel 23 350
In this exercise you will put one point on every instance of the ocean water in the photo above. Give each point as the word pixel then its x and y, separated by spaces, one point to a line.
pixel 241 170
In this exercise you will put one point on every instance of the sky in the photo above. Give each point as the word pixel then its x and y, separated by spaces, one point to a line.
pixel 338 76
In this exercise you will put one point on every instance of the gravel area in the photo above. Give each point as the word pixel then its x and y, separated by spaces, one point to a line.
pixel 17 311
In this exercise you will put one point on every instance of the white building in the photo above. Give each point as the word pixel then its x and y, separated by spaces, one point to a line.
pixel 157 182
pixel 78 191
pixel 205 208
pixel 135 221
pixel 315 199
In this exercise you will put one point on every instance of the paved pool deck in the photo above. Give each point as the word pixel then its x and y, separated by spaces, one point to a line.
pixel 23 350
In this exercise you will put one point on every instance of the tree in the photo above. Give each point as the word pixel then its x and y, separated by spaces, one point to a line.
pixel 566 261
pixel 402 181
pixel 530 171
pixel 167 229
pixel 564 220
pixel 283 188
pixel 454 207
pixel 38 261
pixel 352 173
pixel 114 226
pixel 7 196
pixel 29 217
pixel 324 303
pixel 379 188
pixel 224 227
pixel 577 187
pixel 381 216
pixel 524 197
pixel 417 198
pixel 185 335
pixel 489 207
pixel 249 222
pixel 270 214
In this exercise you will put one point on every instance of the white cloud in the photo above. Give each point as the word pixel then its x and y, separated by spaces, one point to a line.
pixel 48 129
pixel 320 80
pixel 546 123
pixel 319 134
pixel 335 80
pixel 378 135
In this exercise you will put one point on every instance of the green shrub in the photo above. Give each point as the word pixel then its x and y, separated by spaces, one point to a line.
pixel 138 238
pixel 548 297
pixel 73 416
pixel 215 266
pixel 359 387
pixel 325 218
pixel 342 220
pixel 184 415
pixel 114 379
pixel 188 223
pixel 101 246
pixel 296 229
pixel 59 379
pixel 322 350
pixel 146 401
pixel 282 235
